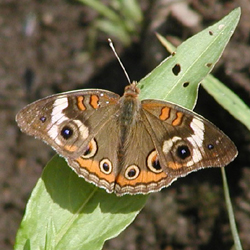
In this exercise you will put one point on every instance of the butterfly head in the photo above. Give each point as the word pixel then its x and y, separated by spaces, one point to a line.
pixel 131 90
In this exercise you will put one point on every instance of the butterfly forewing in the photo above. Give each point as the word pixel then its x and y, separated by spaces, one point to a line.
pixel 186 141
pixel 68 121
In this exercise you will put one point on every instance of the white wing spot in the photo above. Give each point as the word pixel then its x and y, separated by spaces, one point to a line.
pixel 198 128
pixel 167 145
pixel 84 131
pixel 196 154
pixel 196 140
pixel 57 117
pixel 59 105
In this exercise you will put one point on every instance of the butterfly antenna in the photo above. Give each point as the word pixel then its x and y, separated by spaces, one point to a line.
pixel 119 60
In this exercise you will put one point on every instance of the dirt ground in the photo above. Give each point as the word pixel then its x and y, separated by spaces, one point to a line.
pixel 44 49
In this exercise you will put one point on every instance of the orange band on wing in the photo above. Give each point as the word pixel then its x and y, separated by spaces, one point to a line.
pixel 165 113
pixel 80 103
pixel 174 165
pixel 94 101
pixel 177 121
pixel 145 177
pixel 93 168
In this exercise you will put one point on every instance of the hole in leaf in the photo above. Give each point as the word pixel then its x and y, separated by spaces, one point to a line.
pixel 176 69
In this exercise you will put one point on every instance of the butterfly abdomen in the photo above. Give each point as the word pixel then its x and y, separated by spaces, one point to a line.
pixel 128 117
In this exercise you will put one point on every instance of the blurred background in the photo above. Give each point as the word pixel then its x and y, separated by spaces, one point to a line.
pixel 47 47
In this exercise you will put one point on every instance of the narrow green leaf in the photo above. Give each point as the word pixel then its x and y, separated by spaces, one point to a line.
pixel 121 19
pixel 237 243
pixel 64 210
pixel 102 9
pixel 227 99
pixel 114 29
pixel 131 12
pixel 191 62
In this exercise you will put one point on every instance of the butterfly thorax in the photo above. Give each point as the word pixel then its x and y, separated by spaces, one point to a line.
pixel 129 106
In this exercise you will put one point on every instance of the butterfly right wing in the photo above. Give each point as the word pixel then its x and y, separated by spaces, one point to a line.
pixel 68 121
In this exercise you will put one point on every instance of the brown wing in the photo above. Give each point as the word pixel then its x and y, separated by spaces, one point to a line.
pixel 70 120
pixel 185 141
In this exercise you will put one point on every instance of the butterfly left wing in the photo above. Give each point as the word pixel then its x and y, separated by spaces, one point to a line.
pixel 185 141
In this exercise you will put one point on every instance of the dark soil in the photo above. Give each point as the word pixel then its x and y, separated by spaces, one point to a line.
pixel 44 49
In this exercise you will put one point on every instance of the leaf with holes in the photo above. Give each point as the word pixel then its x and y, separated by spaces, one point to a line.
pixel 177 78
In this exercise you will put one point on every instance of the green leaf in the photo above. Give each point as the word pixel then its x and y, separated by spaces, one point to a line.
pixel 237 243
pixel 64 210
pixel 195 58
pixel 120 19
pixel 102 9
pixel 115 29
pixel 227 99
pixel 221 93
pixel 130 11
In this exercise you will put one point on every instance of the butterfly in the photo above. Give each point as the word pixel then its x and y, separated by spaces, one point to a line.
pixel 125 145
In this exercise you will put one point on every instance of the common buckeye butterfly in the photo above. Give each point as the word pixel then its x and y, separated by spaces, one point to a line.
pixel 125 145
